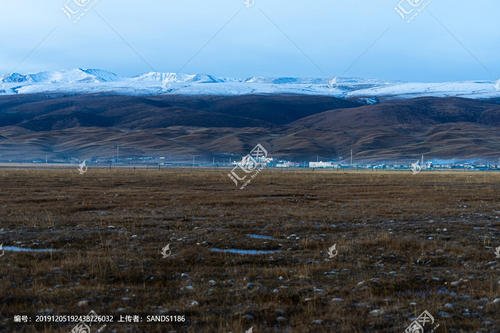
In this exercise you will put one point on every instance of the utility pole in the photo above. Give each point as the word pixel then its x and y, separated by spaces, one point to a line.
pixel 351 157
pixel 117 153
pixel 194 157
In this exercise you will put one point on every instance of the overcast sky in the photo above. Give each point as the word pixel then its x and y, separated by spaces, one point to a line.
pixel 448 40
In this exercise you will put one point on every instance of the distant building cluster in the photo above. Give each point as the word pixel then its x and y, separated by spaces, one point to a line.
pixel 429 165
pixel 197 161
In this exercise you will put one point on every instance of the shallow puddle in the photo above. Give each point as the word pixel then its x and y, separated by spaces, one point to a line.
pixel 256 236
pixel 244 252
pixel 24 249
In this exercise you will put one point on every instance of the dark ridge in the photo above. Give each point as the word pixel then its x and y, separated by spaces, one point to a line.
pixel 290 126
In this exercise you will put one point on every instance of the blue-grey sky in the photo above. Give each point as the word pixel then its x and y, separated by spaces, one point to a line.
pixel 448 40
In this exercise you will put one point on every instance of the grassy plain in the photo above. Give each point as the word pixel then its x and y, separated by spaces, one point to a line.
pixel 405 243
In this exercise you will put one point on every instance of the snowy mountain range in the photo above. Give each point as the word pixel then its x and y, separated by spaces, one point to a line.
pixel 156 83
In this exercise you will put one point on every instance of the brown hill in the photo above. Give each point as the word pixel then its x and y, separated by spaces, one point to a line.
pixel 437 127
pixel 290 126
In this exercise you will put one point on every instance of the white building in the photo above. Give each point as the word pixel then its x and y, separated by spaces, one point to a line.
pixel 323 165
pixel 285 164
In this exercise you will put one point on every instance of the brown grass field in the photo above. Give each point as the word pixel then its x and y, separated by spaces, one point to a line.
pixel 406 243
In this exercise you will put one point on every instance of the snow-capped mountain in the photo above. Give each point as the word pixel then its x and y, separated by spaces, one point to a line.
pixel 68 76
pixel 101 81
pixel 175 77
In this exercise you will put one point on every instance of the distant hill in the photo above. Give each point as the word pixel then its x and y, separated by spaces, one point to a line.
pixel 436 127
pixel 290 126
pixel 88 81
